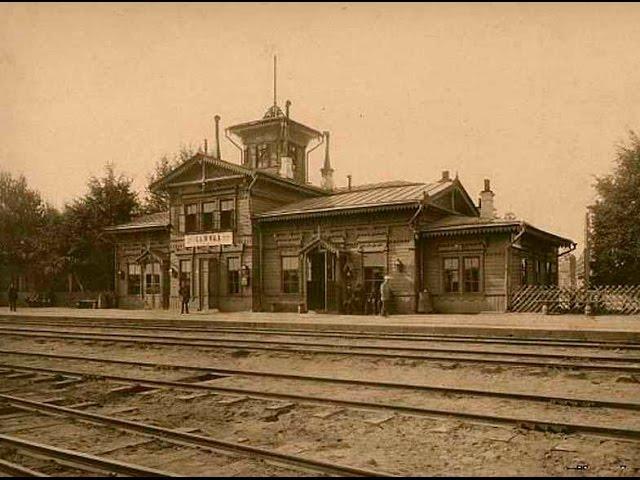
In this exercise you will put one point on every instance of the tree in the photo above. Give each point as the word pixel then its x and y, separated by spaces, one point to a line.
pixel 159 201
pixel 615 230
pixel 110 200
pixel 26 221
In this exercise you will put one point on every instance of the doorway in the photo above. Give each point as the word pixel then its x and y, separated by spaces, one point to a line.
pixel 152 290
pixel 316 276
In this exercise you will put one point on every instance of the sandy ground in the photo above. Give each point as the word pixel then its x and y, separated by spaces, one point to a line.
pixel 398 444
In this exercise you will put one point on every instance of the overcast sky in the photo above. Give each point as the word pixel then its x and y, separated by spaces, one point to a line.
pixel 534 97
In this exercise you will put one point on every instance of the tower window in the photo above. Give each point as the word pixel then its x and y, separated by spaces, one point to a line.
pixel 262 155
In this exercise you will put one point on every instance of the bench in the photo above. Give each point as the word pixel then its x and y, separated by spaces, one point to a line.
pixel 87 304
pixel 39 302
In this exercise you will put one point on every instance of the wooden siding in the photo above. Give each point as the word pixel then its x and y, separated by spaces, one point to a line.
pixel 490 249
pixel 357 236
pixel 264 196
pixel 129 247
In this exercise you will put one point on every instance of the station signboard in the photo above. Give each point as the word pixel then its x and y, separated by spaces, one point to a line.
pixel 208 239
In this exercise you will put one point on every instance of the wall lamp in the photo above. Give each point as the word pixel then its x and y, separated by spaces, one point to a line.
pixel 399 265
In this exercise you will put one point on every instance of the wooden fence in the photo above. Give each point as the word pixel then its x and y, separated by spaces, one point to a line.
pixel 622 300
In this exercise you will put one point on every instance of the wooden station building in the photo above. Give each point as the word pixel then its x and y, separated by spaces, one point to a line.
pixel 256 235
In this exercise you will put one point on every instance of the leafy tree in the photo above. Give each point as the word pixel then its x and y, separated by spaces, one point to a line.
pixel 615 230
pixel 159 201
pixel 26 243
pixel 110 200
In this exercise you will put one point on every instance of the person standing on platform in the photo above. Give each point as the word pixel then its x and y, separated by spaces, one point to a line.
pixel 12 293
pixel 185 295
pixel 385 296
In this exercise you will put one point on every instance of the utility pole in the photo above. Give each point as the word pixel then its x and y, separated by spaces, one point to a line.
pixel 587 250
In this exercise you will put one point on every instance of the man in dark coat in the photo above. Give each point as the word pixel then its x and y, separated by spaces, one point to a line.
pixel 13 297
pixel 185 295
pixel 385 296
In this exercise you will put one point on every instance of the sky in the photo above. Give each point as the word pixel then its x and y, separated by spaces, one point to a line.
pixel 534 97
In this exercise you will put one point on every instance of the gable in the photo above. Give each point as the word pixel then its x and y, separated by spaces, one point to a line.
pixel 196 168
pixel 455 199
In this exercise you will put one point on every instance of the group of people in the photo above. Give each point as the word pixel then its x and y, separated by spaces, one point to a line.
pixel 377 301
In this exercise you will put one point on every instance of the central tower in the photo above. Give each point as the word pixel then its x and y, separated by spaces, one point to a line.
pixel 276 143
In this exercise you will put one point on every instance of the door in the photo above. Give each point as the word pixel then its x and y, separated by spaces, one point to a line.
pixel 203 294
pixel 316 281
pixel 213 283
pixel 152 291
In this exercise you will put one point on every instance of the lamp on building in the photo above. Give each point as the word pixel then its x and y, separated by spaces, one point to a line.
pixel 399 265
pixel 245 274
pixel 174 272
pixel 121 274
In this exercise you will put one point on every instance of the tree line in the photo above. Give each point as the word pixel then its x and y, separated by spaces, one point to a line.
pixel 54 245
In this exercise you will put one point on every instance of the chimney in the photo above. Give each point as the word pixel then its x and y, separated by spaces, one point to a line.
pixel 205 146
pixel 286 108
pixel 487 212
pixel 445 175
pixel 349 182
pixel 327 171
pixel 217 119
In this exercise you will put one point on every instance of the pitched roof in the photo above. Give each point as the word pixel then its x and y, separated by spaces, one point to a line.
pixel 462 224
pixel 235 168
pixel 386 194
pixel 153 221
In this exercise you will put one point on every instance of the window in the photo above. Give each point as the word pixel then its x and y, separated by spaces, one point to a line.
pixel 134 273
pixel 524 268
pixel 210 217
pixel 451 270
pixel 233 275
pixel 290 274
pixel 471 274
pixel 262 154
pixel 152 278
pixel 227 214
pixel 373 278
pixel 185 272
pixel 191 217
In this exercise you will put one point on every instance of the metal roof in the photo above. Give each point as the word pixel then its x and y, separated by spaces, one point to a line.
pixel 461 225
pixel 152 221
pixel 362 196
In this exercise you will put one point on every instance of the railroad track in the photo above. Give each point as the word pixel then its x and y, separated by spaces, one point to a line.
pixel 444 338
pixel 615 363
pixel 74 459
pixel 226 372
pixel 171 436
pixel 521 421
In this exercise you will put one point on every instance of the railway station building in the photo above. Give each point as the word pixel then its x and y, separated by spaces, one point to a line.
pixel 257 235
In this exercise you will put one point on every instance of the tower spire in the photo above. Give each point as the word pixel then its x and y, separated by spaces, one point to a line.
pixel 327 171
pixel 274 111
pixel 275 71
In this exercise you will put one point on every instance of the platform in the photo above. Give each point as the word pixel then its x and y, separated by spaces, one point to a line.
pixel 525 325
